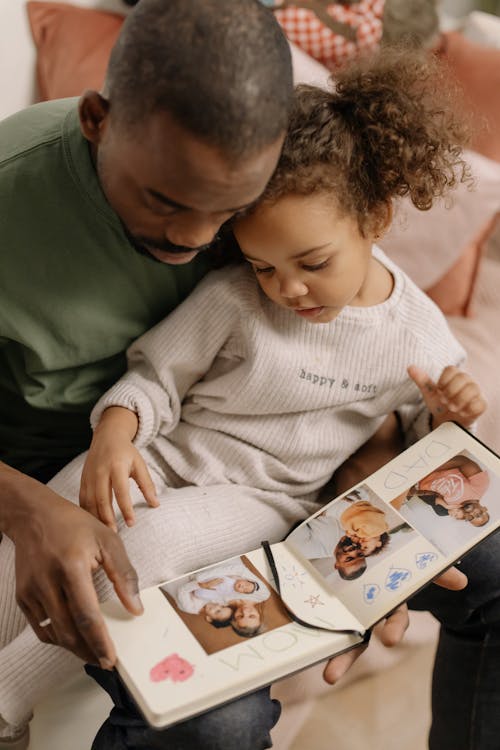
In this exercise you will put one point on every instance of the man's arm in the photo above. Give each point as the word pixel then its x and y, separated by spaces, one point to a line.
pixel 58 547
pixel 381 448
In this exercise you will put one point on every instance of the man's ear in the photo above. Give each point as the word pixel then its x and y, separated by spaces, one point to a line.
pixel 208 618
pixel 93 110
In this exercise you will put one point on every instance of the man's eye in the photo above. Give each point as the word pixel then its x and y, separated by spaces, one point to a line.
pixel 317 266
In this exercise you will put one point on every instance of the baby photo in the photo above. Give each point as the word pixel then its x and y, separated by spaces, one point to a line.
pixel 454 504
pixel 352 534
pixel 226 604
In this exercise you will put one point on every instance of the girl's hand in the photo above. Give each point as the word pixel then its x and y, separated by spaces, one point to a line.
pixel 455 397
pixel 113 459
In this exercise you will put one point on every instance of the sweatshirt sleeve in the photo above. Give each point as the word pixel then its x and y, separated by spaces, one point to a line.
pixel 167 360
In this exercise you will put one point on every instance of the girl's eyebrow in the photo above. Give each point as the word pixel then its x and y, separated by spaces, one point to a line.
pixel 302 254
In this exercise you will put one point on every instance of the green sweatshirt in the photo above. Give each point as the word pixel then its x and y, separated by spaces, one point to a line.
pixel 73 291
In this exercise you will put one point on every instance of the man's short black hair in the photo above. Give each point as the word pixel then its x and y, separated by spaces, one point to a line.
pixel 221 68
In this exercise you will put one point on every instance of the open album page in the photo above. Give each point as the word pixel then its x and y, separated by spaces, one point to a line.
pixel 210 636
pixel 383 540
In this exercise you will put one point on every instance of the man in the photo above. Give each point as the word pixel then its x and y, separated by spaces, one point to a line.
pixel 186 133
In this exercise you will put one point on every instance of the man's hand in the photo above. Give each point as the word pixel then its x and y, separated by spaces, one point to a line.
pixel 394 628
pixel 58 548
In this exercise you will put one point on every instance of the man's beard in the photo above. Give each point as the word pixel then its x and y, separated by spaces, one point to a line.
pixel 141 245
pixel 347 545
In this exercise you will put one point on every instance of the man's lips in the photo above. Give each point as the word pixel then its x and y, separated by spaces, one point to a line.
pixel 174 258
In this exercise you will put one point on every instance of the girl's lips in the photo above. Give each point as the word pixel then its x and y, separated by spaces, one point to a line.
pixel 309 312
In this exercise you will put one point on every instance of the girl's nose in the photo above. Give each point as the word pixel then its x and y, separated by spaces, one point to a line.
pixel 291 287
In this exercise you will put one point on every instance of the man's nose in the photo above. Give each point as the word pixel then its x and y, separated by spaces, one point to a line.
pixel 193 233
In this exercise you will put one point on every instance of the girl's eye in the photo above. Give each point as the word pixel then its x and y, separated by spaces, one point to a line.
pixel 317 266
pixel 263 270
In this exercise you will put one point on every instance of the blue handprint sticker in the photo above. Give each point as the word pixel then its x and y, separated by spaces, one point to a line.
pixel 423 559
pixel 396 577
pixel 370 592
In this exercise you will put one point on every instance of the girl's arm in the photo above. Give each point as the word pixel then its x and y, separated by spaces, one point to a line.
pixel 166 361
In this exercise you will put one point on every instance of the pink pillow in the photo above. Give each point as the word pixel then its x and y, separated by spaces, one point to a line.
pixel 73 46
pixel 453 293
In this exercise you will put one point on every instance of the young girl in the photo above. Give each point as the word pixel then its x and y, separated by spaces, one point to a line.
pixel 246 399
pixel 272 373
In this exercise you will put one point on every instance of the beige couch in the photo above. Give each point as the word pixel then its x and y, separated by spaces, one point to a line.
pixel 383 702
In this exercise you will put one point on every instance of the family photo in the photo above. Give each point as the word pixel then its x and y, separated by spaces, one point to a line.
pixel 453 504
pixel 352 534
pixel 225 604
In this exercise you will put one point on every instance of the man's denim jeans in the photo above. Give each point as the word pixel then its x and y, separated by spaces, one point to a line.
pixel 243 724
pixel 466 686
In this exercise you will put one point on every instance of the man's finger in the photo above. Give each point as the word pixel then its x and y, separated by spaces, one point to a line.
pixel 84 608
pixel 339 665
pixel 122 575
pixel 395 627
pixel 35 613
pixel 452 579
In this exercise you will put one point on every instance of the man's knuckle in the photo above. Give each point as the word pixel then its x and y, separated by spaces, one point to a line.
pixel 84 621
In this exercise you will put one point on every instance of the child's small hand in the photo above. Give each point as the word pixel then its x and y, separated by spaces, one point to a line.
pixel 113 459
pixel 455 397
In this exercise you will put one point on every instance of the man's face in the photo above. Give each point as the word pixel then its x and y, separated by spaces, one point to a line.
pixel 171 190
pixel 348 556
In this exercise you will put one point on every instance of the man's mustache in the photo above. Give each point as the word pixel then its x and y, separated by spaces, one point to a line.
pixel 143 244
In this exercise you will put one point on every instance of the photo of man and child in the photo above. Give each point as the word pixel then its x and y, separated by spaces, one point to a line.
pixel 225 604
pixel 453 504
pixel 353 533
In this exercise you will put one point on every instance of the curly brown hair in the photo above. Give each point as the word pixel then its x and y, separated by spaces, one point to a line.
pixel 385 129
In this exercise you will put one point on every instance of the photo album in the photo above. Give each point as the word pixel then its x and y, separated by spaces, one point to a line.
pixel 225 630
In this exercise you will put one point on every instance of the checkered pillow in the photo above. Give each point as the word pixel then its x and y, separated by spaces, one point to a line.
pixel 331 33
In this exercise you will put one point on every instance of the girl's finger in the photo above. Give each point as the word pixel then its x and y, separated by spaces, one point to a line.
pixel 142 477
pixel 461 400
pixel 427 388
pixel 121 487
pixel 104 501
pixel 455 385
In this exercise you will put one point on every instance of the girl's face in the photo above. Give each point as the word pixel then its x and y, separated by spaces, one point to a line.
pixel 214 611
pixel 311 259
pixel 244 586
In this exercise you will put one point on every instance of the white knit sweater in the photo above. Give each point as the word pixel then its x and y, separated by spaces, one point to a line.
pixel 231 388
